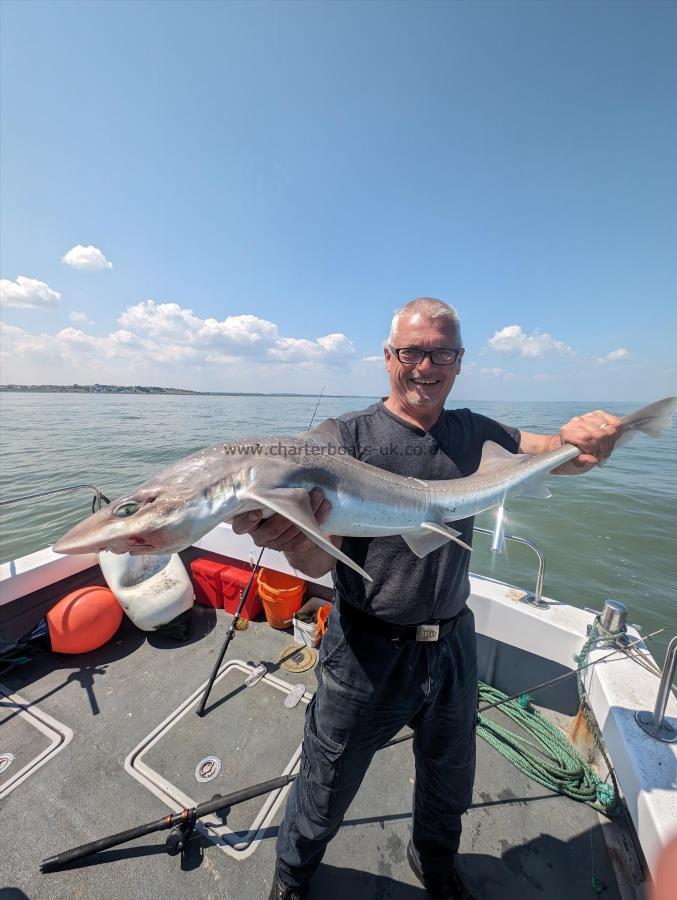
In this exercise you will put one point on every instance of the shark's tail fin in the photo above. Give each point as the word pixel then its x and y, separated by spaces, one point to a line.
pixel 651 420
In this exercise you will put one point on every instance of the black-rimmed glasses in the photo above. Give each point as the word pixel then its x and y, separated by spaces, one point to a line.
pixel 412 356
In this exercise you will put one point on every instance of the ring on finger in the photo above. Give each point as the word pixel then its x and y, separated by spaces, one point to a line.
pixel 603 426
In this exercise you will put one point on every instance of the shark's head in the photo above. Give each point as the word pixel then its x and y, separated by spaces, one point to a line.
pixel 145 522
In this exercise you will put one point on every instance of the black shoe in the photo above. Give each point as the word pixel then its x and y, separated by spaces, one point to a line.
pixel 282 891
pixel 452 889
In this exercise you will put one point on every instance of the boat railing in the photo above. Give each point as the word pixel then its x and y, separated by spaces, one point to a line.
pixel 655 723
pixel 96 499
pixel 535 598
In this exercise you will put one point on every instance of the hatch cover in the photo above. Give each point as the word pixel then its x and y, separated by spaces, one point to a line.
pixel 253 735
pixel 28 739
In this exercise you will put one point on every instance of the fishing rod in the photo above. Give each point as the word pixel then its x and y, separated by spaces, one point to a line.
pixel 183 822
pixel 229 636
pixel 238 612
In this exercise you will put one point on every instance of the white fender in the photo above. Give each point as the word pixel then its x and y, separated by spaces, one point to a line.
pixel 152 590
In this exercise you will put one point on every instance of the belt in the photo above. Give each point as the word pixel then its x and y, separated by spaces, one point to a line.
pixel 429 631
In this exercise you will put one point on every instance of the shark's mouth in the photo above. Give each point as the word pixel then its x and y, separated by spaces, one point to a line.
pixel 137 544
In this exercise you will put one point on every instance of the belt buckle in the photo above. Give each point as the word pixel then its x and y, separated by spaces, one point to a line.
pixel 429 632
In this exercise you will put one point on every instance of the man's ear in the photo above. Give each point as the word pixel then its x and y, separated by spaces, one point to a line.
pixel 458 361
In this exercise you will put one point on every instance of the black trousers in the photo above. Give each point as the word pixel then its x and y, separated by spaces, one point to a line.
pixel 369 687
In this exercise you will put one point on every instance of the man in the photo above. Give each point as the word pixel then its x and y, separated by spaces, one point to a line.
pixel 375 673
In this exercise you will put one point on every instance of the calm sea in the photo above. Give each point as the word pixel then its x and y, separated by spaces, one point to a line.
pixel 611 533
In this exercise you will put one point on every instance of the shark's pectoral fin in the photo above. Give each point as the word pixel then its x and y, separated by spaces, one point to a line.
pixel 294 504
pixel 431 536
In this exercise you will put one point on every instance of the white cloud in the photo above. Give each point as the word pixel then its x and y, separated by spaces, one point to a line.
pixel 513 341
pixel 336 343
pixel 89 257
pixel 169 321
pixel 372 359
pixel 242 331
pixel 178 332
pixel 612 356
pixel 173 345
pixel 492 373
pixel 330 348
pixel 75 316
pixel 28 293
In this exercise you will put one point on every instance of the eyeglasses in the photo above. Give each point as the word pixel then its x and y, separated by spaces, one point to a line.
pixel 440 356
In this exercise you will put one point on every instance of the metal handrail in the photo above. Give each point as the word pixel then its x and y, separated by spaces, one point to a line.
pixel 534 599
pixel 655 723
pixel 64 490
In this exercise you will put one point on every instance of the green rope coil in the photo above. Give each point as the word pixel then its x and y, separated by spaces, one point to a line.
pixel 542 752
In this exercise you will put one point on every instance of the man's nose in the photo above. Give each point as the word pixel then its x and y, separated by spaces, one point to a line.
pixel 426 364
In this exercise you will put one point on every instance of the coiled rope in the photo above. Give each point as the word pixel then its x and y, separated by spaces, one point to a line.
pixel 543 752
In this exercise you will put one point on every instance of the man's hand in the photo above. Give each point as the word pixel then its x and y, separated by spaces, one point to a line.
pixel 278 533
pixel 594 434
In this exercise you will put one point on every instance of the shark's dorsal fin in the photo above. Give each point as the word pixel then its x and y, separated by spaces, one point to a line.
pixel 326 432
pixel 496 458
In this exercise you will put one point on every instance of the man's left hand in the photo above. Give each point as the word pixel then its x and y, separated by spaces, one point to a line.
pixel 594 433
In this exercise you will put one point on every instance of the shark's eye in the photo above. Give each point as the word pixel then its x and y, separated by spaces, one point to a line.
pixel 128 508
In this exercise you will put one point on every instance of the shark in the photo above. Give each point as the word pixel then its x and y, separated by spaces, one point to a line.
pixel 181 503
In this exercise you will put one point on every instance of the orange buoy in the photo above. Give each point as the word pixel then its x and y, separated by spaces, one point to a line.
pixel 83 620
pixel 281 596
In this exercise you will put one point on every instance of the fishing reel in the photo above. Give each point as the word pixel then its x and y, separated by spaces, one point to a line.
pixel 179 836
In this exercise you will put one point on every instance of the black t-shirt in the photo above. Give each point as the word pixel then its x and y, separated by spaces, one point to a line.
pixel 406 589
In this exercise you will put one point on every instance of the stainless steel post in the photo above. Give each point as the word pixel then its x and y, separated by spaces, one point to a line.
pixel 655 723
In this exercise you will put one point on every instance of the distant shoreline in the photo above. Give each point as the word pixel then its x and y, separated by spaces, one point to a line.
pixel 143 390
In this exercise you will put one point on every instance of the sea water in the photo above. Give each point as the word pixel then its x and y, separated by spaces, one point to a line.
pixel 609 533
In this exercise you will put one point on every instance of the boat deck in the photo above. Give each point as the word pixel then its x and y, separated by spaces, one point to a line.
pixel 519 839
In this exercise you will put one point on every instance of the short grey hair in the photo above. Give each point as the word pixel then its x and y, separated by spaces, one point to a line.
pixel 426 308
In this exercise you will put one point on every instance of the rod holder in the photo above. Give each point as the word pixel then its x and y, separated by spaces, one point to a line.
pixel 655 723
pixel 498 539
pixel 536 598
pixel 613 617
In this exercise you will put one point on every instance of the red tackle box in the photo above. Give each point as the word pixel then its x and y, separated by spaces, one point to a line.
pixel 233 581
pixel 206 575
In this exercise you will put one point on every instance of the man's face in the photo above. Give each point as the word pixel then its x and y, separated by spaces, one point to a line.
pixel 424 385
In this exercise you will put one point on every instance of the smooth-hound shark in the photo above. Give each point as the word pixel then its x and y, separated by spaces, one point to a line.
pixel 180 504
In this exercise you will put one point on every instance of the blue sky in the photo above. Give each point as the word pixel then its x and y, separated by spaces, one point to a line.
pixel 256 186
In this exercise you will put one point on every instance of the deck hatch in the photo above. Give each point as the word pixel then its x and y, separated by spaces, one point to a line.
pixel 252 734
pixel 30 738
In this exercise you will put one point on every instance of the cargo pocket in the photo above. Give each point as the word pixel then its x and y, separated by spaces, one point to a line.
pixel 335 639
pixel 323 760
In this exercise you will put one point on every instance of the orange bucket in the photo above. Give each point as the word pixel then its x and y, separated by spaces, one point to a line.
pixel 281 596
